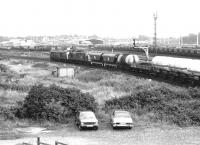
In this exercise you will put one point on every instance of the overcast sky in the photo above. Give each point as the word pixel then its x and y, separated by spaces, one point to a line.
pixel 115 18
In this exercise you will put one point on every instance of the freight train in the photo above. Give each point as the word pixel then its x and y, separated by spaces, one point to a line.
pixel 180 69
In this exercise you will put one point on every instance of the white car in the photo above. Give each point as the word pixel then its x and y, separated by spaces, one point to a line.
pixel 86 119
pixel 121 119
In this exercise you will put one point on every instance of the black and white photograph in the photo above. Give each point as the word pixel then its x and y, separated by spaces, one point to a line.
pixel 99 72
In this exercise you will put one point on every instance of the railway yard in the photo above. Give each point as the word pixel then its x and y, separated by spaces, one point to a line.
pixel 175 125
pixel 99 72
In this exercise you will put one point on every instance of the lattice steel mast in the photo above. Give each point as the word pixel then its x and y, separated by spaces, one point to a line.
pixel 155 33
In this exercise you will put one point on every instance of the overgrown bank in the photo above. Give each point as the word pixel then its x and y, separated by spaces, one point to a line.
pixel 60 104
pixel 182 109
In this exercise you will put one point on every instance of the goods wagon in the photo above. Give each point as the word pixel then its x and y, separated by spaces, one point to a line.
pixel 64 56
pixel 109 59
pixel 95 58
pixel 127 60
pixel 55 55
pixel 77 57
pixel 180 64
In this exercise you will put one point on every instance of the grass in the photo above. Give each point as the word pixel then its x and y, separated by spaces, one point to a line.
pixel 40 65
pixel 10 97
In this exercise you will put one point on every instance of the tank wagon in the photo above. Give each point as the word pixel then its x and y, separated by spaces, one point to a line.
pixel 160 66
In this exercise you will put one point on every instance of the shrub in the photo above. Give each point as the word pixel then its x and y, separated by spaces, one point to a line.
pixel 54 103
pixel 194 92
pixel 166 104
pixel 7 113
pixel 3 68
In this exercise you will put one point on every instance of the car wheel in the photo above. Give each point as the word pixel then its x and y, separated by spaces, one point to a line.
pixel 113 127
pixel 80 127
pixel 96 128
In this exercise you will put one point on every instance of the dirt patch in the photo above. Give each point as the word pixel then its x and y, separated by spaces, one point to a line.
pixel 40 65
pixel 32 130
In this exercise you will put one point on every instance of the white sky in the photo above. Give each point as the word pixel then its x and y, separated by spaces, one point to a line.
pixel 115 18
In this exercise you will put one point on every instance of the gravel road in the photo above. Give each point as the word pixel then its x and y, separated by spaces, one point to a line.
pixel 106 136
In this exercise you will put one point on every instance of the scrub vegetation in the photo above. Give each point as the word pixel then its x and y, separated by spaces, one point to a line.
pixel 32 93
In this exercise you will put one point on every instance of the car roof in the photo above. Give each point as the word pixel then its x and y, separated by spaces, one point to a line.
pixel 86 112
pixel 120 111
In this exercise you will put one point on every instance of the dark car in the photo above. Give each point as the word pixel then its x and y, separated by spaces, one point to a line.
pixel 86 119
pixel 121 119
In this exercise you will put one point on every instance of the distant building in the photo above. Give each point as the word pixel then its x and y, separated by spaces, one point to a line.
pixel 20 42
pixel 95 41
pixel 85 42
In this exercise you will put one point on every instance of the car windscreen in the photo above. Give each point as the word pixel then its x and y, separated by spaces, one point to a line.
pixel 126 115
pixel 87 116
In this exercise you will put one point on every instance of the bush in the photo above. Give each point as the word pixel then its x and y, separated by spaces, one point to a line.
pixel 7 113
pixel 167 105
pixel 3 68
pixel 54 103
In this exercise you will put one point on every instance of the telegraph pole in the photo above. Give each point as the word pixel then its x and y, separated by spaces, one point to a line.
pixel 155 34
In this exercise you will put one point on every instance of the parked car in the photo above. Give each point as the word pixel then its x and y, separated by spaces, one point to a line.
pixel 86 119
pixel 121 119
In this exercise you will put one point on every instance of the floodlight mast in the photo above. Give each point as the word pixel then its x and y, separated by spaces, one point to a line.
pixel 155 16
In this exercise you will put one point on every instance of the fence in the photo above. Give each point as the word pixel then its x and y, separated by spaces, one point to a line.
pixel 42 143
pixel 59 143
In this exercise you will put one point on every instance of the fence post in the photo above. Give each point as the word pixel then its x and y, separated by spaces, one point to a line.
pixel 56 143
pixel 38 140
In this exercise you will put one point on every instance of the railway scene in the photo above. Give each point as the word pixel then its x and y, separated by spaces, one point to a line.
pixel 99 72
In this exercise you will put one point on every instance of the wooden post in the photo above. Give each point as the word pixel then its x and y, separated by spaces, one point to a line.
pixel 38 140
pixel 59 143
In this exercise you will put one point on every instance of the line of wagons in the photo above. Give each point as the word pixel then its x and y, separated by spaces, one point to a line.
pixel 181 69
pixel 192 52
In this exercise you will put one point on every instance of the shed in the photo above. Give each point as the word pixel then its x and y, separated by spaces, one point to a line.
pixel 63 72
